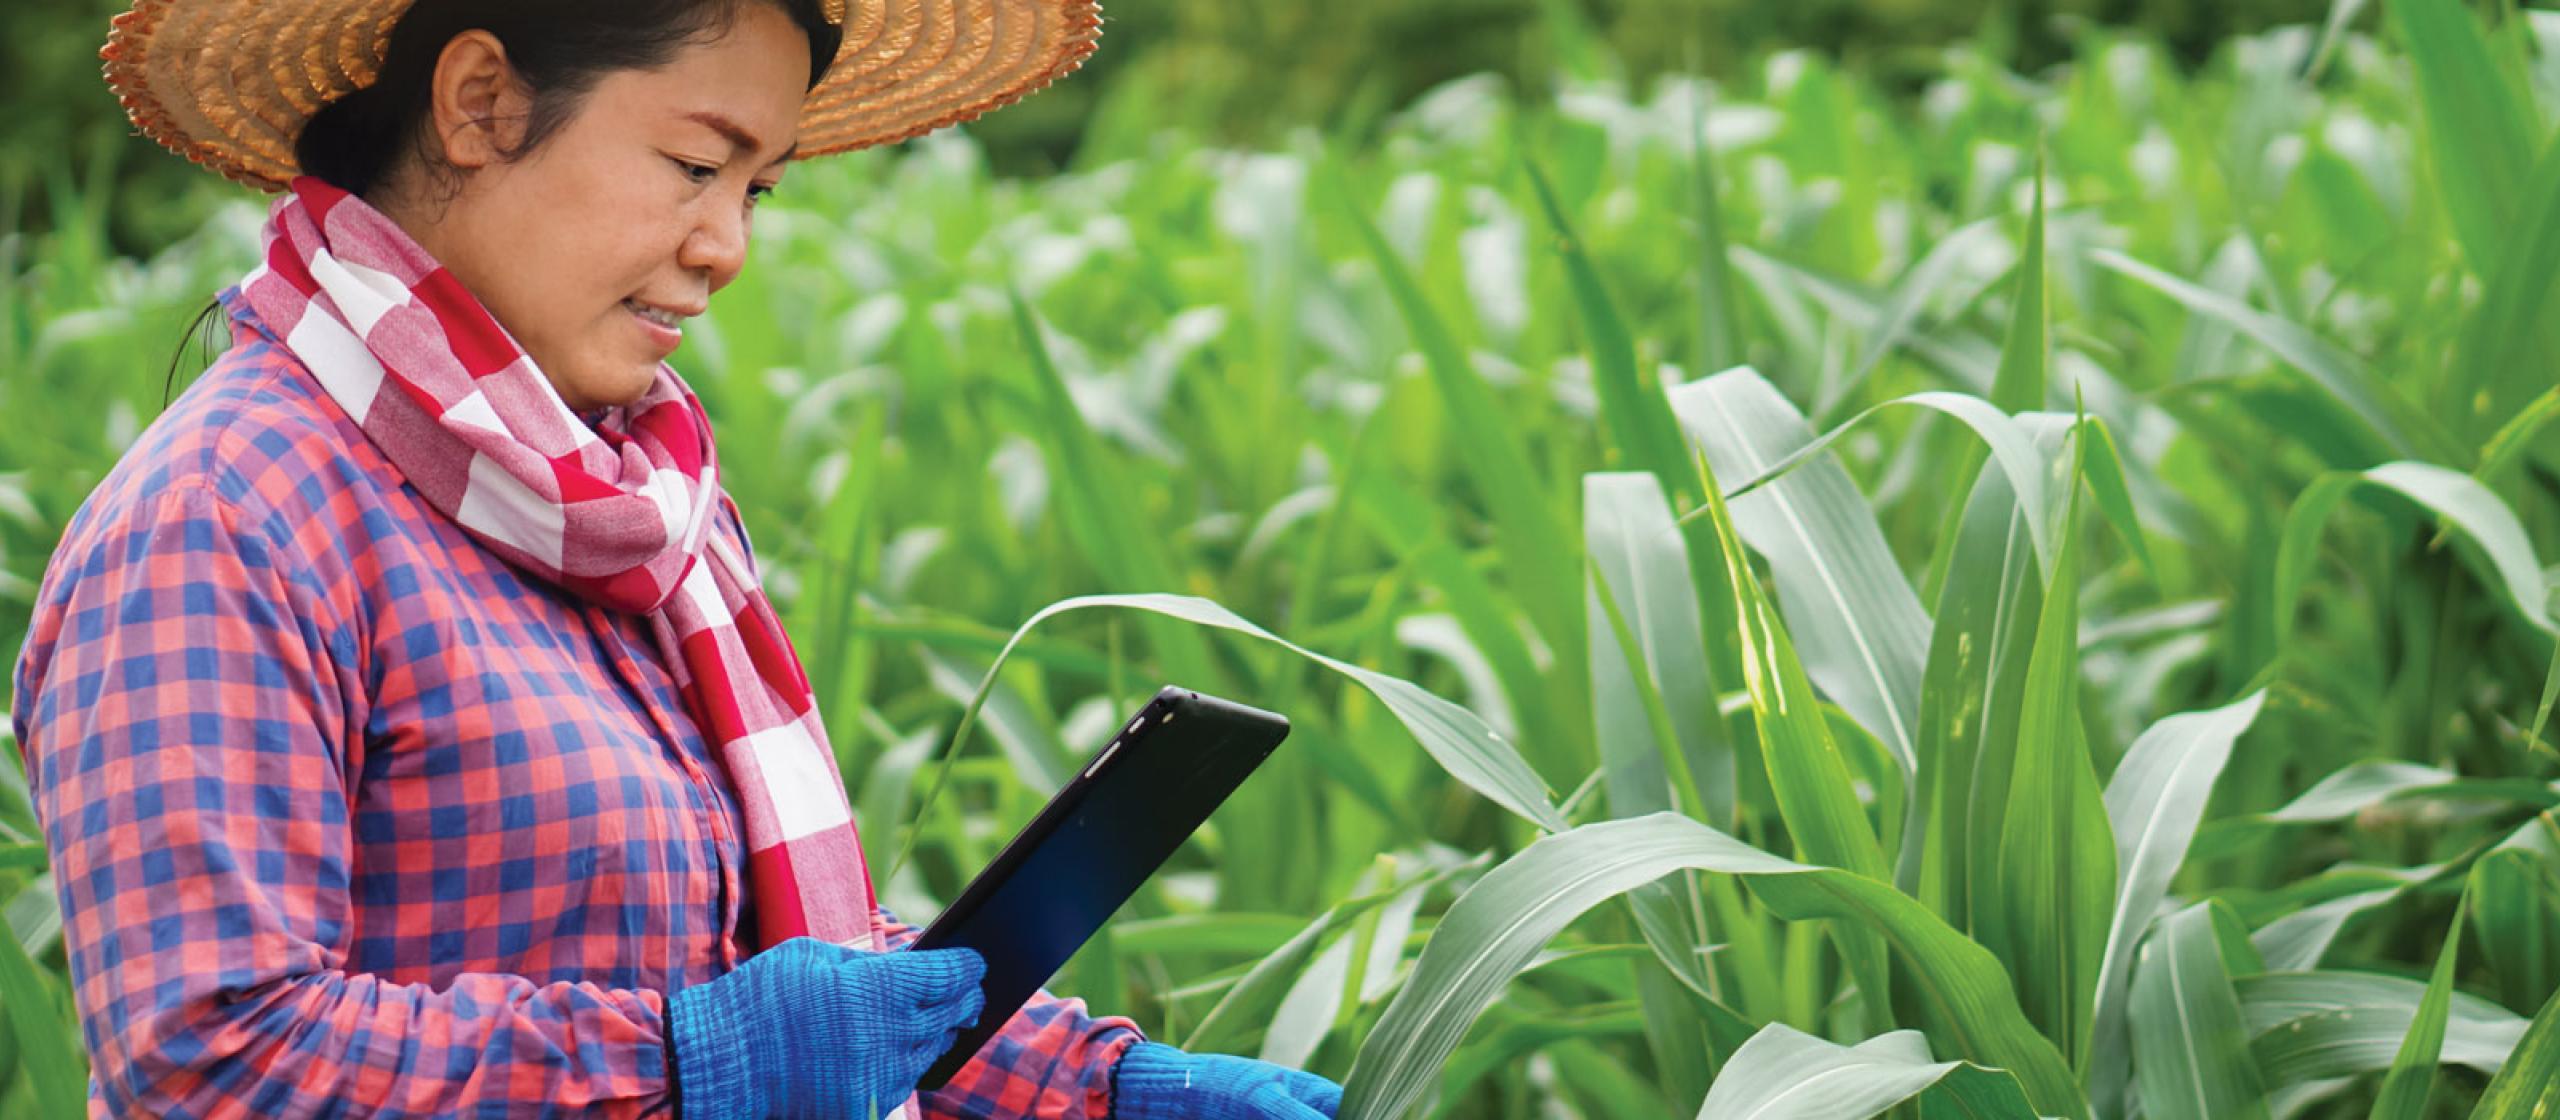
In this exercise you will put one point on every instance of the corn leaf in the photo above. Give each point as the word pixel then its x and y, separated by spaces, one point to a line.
pixel 54 1072
pixel 1104 526
pixel 1658 694
pixel 1812 778
pixel 2413 1069
pixel 2515 912
pixel 2480 132
pixel 2528 1086
pixel 1925 280
pixel 1538 554
pixel 2026 351
pixel 2311 1026
pixel 1630 391
pixel 1455 737
pixel 2478 513
pixel 1785 1074
pixel 2190 1049
pixel 1970 697
pixel 2297 941
pixel 2505 337
pixel 2054 876
pixel 2392 426
pixel 1865 634
pixel 1500 923
pixel 2154 802
pixel 1654 713
pixel 2010 446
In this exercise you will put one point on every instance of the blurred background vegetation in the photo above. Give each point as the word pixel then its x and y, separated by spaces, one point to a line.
pixel 1232 73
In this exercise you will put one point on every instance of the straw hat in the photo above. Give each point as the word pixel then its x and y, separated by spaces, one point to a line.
pixel 229 83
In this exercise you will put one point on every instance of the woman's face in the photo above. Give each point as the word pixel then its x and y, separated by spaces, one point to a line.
pixel 595 248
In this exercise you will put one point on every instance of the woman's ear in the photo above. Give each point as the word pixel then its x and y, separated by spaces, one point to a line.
pixel 480 107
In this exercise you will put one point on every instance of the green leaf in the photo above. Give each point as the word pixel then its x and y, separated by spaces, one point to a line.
pixel 2480 132
pixel 1864 632
pixel 1657 694
pixel 1784 1074
pixel 48 1058
pixel 2528 1086
pixel 2356 787
pixel 2508 334
pixel 2154 802
pixel 1654 711
pixel 2107 485
pixel 1537 553
pixel 2009 444
pixel 1104 525
pixel 1812 778
pixel 2481 516
pixel 2516 435
pixel 2515 910
pixel 1630 392
pixel 1254 999
pixel 1720 341
pixel 2392 424
pixel 2026 351
pixel 1926 279
pixel 1970 697
pixel 1411 526
pixel 2054 883
pixel 2297 941
pixel 2190 1048
pixel 2413 1069
pixel 1455 737
pixel 2308 1026
pixel 1498 925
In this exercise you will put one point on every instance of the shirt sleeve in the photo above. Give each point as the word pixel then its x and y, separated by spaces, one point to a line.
pixel 1051 1060
pixel 187 735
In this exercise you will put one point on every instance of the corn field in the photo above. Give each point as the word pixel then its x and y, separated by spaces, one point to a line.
pixel 2029 596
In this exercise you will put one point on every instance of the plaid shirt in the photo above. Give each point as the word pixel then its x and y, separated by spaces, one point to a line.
pixel 348 817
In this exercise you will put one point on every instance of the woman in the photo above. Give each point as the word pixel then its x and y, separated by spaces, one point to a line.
pixel 407 727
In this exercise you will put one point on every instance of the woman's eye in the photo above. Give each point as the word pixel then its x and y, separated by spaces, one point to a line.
pixel 758 192
pixel 698 172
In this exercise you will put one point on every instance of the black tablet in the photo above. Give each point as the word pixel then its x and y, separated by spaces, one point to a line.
pixel 1090 847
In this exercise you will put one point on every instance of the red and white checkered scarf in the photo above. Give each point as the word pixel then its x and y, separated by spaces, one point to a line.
pixel 622 515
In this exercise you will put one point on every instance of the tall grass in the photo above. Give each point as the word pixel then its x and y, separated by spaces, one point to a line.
pixel 2142 714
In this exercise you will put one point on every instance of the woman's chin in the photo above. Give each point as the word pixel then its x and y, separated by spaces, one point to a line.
pixel 588 390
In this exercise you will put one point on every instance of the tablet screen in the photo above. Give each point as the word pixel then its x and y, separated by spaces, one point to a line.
pixel 1065 874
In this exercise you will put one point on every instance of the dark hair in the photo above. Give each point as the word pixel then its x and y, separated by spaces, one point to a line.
pixel 560 48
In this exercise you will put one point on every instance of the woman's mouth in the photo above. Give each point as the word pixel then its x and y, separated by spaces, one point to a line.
pixel 665 328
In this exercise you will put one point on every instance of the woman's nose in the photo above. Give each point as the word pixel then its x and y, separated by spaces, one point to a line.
pixel 717 244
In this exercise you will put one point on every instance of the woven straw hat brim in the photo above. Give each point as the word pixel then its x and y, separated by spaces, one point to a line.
pixel 229 83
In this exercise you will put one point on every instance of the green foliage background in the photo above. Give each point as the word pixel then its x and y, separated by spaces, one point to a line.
pixel 1238 73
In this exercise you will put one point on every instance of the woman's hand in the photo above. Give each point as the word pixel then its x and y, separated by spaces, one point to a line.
pixel 1158 1082
pixel 812 1029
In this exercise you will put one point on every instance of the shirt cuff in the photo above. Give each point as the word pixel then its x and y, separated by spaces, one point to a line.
pixel 1102 1097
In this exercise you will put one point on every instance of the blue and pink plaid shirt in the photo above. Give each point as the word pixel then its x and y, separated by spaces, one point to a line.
pixel 348 817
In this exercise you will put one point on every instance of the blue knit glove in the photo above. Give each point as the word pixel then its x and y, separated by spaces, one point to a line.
pixel 1158 1082
pixel 811 1029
